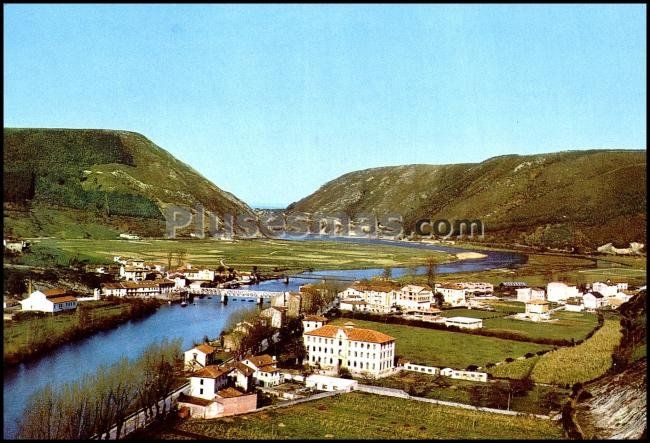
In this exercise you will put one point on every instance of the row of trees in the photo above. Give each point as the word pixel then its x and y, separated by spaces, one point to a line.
pixel 92 405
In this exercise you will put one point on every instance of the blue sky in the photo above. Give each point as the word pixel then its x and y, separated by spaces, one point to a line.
pixel 271 101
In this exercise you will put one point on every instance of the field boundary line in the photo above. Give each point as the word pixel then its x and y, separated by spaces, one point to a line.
pixel 390 392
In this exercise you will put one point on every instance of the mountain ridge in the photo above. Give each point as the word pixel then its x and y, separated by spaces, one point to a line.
pixel 544 199
pixel 118 175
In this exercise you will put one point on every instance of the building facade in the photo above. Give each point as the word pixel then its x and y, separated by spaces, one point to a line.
pixel 359 350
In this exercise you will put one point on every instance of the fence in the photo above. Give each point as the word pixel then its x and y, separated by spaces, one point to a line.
pixel 390 392
pixel 139 419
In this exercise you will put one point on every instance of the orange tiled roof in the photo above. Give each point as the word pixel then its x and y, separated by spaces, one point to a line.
pixel 63 299
pixel 315 318
pixel 229 393
pixel 184 398
pixel 379 286
pixel 211 371
pixel 54 292
pixel 261 360
pixel 206 349
pixel 246 370
pixel 354 334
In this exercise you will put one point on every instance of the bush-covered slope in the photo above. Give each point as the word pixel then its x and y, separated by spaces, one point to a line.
pixel 590 197
pixel 112 174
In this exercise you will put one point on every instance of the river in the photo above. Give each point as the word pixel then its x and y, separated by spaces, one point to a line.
pixel 191 323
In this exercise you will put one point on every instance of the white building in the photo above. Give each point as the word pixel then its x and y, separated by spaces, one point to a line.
pixel 537 310
pixel 200 274
pixel 265 372
pixel 574 304
pixel 199 356
pixel 454 293
pixel 464 375
pixel 594 300
pixel 464 322
pixel 349 304
pixel 414 297
pixel 558 291
pixel 325 383
pixel 132 273
pixel 360 350
pixel 477 288
pixel 274 316
pixel 205 382
pixel 607 290
pixel 311 322
pixel 143 289
pixel 381 294
pixel 528 294
pixel 50 300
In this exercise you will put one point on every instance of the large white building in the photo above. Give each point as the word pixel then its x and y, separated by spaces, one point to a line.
pixel 50 300
pixel 608 289
pixel 558 291
pixel 477 288
pixel 528 294
pixel 199 357
pixel 537 310
pixel 385 296
pixel 359 350
pixel 414 297
pixel 454 293
pixel 594 300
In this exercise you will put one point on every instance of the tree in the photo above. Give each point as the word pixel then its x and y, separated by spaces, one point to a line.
pixel 170 254
pixel 431 271
pixel 344 372
pixel 439 299
pixel 387 273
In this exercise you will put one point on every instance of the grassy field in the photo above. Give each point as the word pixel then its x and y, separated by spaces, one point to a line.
pixel 472 313
pixel 581 363
pixel 22 337
pixel 445 348
pixel 543 268
pixel 568 325
pixel 364 416
pixel 517 369
pixel 443 388
pixel 242 254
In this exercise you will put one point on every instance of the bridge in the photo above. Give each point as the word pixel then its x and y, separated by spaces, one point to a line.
pixel 236 294
pixel 323 277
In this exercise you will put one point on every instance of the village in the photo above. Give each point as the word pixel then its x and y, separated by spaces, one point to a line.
pixel 327 338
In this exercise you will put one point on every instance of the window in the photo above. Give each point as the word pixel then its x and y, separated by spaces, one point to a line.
pixel 201 391
pixel 201 382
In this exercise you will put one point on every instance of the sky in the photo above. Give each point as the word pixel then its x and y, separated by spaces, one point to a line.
pixel 269 102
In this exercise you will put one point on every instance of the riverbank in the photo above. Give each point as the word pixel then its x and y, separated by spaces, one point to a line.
pixel 29 338
pixel 268 256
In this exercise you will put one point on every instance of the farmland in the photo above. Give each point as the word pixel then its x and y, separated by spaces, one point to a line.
pixel 448 349
pixel 241 254
pixel 517 369
pixel 581 363
pixel 566 325
pixel 417 384
pixel 361 416
pixel 543 268
pixel 25 337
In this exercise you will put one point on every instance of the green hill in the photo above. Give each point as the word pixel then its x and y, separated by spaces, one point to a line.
pixel 96 183
pixel 580 198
